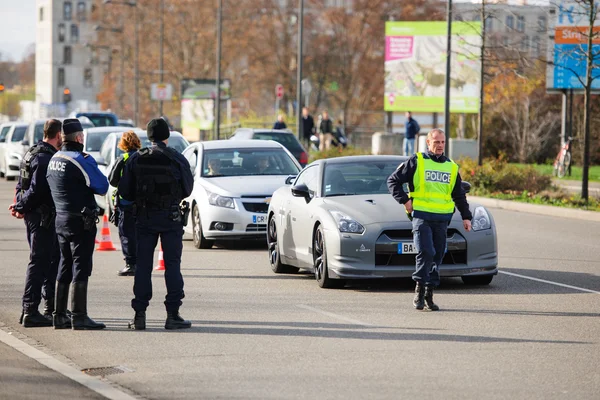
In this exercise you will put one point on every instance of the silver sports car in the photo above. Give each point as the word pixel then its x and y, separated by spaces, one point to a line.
pixel 339 221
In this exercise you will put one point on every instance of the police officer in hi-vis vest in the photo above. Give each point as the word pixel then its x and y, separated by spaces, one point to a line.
pixel 124 209
pixel 74 178
pixel 434 190
pixel 34 203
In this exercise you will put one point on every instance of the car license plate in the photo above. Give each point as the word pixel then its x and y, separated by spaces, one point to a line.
pixel 258 219
pixel 407 248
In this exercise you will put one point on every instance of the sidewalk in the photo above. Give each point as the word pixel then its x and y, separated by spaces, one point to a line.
pixel 575 186
pixel 540 209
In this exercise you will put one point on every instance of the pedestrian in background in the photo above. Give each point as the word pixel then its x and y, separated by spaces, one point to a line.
pixel 156 179
pixel 74 179
pixel 280 124
pixel 34 203
pixel 434 190
pixel 325 132
pixel 308 127
pixel 412 130
pixel 124 209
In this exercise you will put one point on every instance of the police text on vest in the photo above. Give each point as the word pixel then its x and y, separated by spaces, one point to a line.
pixel 57 165
pixel 437 176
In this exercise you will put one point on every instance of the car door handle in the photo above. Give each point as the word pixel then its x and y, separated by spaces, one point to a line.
pixel 293 218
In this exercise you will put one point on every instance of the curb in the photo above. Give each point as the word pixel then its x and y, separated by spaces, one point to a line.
pixel 539 209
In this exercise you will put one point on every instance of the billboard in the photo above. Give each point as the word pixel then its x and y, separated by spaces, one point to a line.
pixel 198 105
pixel 415 66
pixel 567 47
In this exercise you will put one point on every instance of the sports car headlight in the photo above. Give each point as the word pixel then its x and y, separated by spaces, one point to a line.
pixel 220 201
pixel 16 156
pixel 481 219
pixel 347 224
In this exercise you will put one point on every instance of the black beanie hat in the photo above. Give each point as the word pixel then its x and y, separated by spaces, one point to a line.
pixel 71 125
pixel 158 130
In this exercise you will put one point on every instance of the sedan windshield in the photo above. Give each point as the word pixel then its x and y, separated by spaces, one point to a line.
pixel 357 178
pixel 93 141
pixel 244 162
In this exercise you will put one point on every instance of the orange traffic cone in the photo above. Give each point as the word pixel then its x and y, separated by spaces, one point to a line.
pixel 161 261
pixel 106 243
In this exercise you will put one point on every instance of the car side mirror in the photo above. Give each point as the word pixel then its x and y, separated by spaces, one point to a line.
pixel 301 190
pixel 466 186
pixel 101 161
pixel 2 140
pixel 25 142
pixel 290 179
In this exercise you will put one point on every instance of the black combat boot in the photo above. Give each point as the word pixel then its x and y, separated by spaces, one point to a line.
pixel 33 319
pixel 174 321
pixel 429 304
pixel 61 319
pixel 49 308
pixel 419 301
pixel 139 321
pixel 129 270
pixel 80 320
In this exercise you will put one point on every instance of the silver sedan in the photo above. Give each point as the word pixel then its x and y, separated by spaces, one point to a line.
pixel 339 221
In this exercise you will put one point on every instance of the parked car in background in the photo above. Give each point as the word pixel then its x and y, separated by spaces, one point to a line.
pixel 282 136
pixel 127 123
pixel 339 221
pixel 4 129
pixel 233 184
pixel 98 118
pixel 109 153
pixel 94 138
pixel 11 151
pixel 35 131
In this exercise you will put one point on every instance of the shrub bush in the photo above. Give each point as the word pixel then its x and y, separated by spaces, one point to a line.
pixel 497 175
pixel 337 152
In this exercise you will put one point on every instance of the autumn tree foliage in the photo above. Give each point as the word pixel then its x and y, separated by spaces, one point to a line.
pixel 522 120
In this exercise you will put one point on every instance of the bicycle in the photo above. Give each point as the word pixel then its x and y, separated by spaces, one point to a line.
pixel 562 163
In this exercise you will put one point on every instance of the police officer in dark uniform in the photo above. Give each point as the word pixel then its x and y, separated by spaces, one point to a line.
pixel 74 178
pixel 34 202
pixel 156 179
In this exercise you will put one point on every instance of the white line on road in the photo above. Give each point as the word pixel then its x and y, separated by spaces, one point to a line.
pixel 332 315
pixel 98 386
pixel 549 282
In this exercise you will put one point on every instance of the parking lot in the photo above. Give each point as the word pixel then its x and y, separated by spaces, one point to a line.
pixel 533 333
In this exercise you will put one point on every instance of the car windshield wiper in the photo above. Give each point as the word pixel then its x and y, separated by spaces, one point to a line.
pixel 215 176
pixel 267 174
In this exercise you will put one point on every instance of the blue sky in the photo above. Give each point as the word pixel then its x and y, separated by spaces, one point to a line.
pixel 17 27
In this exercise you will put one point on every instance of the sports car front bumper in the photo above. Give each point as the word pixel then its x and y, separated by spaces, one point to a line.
pixel 374 254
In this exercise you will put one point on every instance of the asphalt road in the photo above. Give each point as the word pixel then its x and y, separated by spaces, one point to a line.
pixel 257 335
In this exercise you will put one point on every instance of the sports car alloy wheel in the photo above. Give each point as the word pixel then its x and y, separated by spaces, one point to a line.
pixel 200 242
pixel 274 256
pixel 320 262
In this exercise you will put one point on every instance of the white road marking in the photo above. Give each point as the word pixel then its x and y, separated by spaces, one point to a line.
pixel 95 384
pixel 549 282
pixel 336 316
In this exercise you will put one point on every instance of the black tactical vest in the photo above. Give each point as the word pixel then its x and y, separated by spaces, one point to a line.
pixel 156 185
pixel 25 171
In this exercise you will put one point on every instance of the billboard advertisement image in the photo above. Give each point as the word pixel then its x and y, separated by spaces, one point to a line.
pixel 415 66
pixel 567 47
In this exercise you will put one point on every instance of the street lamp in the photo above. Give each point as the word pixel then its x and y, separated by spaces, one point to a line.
pixel 133 4
pixel 299 76
pixel 448 70
pixel 218 94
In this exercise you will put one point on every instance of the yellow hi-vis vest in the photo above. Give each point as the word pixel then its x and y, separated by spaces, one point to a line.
pixel 433 183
